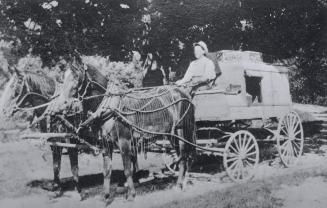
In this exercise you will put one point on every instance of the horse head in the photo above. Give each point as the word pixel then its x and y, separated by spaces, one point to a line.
pixel 69 90
pixel 79 83
pixel 106 108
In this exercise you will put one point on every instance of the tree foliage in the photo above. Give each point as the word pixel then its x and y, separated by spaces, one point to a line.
pixel 61 28
pixel 293 30
pixel 177 24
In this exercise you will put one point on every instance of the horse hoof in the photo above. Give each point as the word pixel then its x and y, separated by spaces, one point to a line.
pixel 106 196
pixel 108 199
pixel 51 186
pixel 130 197
pixel 121 190
pixel 178 187
pixel 58 193
pixel 189 182
pixel 83 195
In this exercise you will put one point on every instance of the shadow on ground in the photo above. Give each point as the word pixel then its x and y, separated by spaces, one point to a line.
pixel 93 183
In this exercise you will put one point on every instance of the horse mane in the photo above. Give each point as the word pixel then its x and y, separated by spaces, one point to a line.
pixel 40 83
pixel 96 75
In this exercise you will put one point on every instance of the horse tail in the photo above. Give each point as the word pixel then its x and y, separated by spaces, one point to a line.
pixel 188 123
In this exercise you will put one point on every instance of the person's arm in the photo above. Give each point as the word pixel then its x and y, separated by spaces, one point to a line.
pixel 209 72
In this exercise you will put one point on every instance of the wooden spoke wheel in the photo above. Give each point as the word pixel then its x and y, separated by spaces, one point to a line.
pixel 290 139
pixel 241 156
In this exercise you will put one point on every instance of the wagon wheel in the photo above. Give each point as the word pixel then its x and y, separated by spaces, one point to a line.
pixel 290 138
pixel 241 156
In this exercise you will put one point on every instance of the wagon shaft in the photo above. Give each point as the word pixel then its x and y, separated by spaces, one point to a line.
pixel 67 145
pixel 46 135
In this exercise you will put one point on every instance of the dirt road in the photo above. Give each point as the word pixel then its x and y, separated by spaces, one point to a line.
pixel 26 168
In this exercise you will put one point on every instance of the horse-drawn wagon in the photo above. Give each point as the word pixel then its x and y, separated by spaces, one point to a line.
pixel 249 95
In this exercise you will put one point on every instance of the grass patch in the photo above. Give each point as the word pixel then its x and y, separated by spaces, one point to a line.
pixel 254 194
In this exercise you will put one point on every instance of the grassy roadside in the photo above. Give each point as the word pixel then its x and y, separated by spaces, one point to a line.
pixel 254 194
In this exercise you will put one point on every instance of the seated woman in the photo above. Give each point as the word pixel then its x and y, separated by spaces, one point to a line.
pixel 200 71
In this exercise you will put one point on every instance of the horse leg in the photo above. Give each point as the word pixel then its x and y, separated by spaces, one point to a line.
pixel 134 161
pixel 134 158
pixel 182 161
pixel 56 157
pixel 107 168
pixel 125 149
pixel 73 157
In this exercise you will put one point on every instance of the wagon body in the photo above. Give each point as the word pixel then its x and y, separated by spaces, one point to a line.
pixel 248 88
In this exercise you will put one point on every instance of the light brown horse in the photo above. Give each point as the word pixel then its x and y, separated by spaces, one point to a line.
pixel 126 117
pixel 120 117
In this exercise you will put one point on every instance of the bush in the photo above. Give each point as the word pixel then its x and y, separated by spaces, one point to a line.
pixel 302 90
pixel 126 75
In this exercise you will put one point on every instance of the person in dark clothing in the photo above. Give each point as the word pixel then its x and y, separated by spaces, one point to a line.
pixel 154 76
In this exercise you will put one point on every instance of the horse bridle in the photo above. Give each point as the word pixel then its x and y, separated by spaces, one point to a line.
pixel 86 84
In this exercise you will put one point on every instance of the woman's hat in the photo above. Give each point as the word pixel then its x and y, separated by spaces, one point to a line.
pixel 203 45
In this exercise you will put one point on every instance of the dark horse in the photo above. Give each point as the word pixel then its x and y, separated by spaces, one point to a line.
pixel 31 89
pixel 127 117
pixel 90 82
pixel 26 89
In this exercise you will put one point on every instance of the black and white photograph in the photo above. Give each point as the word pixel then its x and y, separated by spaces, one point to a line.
pixel 163 103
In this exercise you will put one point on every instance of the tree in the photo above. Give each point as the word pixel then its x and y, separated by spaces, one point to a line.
pixel 282 29
pixel 60 29
pixel 285 29
pixel 176 24
pixel 292 29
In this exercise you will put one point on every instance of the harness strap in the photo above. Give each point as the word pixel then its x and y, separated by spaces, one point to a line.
pixel 125 120
pixel 156 110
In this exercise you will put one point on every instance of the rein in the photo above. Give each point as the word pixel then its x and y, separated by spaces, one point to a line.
pixel 21 101
pixel 34 107
pixel 126 93
pixel 155 110
pixel 28 94
pixel 81 95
